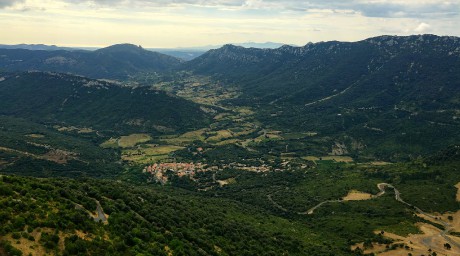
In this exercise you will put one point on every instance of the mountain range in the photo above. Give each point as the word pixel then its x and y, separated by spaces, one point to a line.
pixel 380 91
pixel 113 62
pixel 332 148
pixel 374 93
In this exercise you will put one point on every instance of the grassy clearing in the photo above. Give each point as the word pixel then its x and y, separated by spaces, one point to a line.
pixel 35 136
pixel 133 139
pixel 355 195
pixel 226 182
pixel 374 164
pixel 245 111
pixel 73 128
pixel 126 141
pixel 111 143
pixel 185 138
pixel 219 136
pixel 221 116
pixel 150 154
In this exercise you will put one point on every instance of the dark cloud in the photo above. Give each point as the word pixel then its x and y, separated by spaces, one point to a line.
pixel 6 3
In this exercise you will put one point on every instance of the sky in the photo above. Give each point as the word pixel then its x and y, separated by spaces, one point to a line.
pixel 189 23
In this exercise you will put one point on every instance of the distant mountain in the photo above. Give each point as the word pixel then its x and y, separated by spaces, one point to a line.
pixel 114 62
pixel 190 53
pixel 266 45
pixel 79 101
pixel 37 47
pixel 381 90
pixel 183 54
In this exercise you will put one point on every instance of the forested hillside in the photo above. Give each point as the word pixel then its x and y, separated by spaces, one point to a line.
pixel 393 95
pixel 73 100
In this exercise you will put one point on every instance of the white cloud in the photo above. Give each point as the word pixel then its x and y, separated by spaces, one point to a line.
pixel 161 23
pixel 422 27
pixel 370 8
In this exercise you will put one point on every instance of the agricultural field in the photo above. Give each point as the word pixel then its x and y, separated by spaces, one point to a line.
pixel 149 153
pixel 199 89
pixel 128 141
pixel 338 159
pixel 73 129
pixel 184 139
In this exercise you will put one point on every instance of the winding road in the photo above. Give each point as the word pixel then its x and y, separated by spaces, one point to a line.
pixel 100 213
pixel 382 187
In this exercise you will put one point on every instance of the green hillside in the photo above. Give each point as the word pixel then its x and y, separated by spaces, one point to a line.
pixel 394 96
pixel 72 100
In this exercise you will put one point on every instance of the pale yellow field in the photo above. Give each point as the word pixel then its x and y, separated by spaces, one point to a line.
pixel 28 247
pixel 311 158
pixel 355 195
pixel 455 222
pixel 419 243
pixel 226 182
pixel 35 136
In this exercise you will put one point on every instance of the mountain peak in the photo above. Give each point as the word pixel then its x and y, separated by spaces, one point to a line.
pixel 122 48
pixel 231 47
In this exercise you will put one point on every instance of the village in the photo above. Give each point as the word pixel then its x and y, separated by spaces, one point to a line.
pixel 159 171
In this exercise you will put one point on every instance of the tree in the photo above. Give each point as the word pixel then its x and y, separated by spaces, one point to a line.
pixel 447 246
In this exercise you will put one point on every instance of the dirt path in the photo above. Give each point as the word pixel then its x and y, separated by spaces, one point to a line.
pixel 381 187
pixel 332 96
pixel 276 204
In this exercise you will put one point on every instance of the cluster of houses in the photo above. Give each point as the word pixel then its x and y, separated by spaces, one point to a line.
pixel 159 170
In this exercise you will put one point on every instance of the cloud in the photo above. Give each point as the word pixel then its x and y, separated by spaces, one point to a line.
pixel 368 8
pixel 422 27
pixel 7 3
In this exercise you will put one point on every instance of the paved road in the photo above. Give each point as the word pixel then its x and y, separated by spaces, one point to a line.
pixel 382 187
pixel 100 213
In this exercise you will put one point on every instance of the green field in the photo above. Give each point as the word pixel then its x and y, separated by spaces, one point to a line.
pixel 149 153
